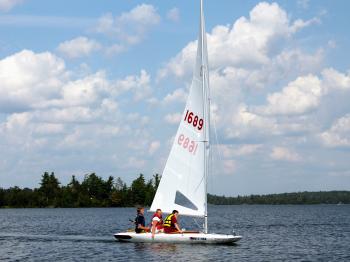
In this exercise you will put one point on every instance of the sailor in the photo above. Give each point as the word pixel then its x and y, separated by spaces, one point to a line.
pixel 140 221
pixel 170 223
pixel 157 222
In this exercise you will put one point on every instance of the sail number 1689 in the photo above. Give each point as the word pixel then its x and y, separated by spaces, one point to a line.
pixel 187 144
pixel 193 119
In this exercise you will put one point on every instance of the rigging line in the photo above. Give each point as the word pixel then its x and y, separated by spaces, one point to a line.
pixel 221 158
pixel 196 222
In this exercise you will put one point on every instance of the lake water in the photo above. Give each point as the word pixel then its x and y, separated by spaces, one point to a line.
pixel 270 233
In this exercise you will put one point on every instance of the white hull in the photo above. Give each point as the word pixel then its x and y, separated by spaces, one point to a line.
pixel 186 238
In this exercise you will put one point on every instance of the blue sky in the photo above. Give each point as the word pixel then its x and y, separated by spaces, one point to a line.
pixel 99 87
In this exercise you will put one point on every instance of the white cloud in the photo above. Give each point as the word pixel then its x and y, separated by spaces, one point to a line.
pixel 339 133
pixel 129 27
pixel 44 103
pixel 173 118
pixel 250 41
pixel 114 49
pixel 177 96
pixel 139 85
pixel 333 79
pixel 42 21
pixel 78 47
pixel 229 166
pixel 85 91
pixel 49 128
pixel 285 154
pixel 173 14
pixel 17 120
pixel 154 146
pixel 28 79
pixel 245 123
pixel 134 163
pixel 304 94
pixel 7 5
pixel 298 97
pixel 230 151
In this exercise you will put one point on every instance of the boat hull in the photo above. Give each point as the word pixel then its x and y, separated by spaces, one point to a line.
pixel 190 238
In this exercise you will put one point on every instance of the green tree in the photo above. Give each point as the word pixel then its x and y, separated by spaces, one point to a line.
pixel 2 197
pixel 138 190
pixel 49 189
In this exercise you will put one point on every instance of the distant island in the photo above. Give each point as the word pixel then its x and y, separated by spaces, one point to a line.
pixel 299 198
pixel 94 191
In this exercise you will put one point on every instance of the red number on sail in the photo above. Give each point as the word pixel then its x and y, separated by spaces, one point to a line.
pixel 192 146
pixel 180 139
pixel 187 144
pixel 200 124
pixel 193 119
pixel 189 118
pixel 186 116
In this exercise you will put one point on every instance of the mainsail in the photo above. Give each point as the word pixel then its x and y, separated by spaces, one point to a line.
pixel 183 185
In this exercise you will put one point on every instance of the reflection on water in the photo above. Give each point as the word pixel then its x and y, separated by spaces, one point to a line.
pixel 270 233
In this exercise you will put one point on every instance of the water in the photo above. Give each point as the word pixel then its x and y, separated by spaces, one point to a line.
pixel 270 233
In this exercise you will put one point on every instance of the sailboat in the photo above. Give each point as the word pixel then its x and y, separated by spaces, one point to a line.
pixel 183 185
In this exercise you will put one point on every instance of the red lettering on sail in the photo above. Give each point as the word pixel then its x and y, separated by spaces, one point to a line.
pixel 187 144
pixel 194 120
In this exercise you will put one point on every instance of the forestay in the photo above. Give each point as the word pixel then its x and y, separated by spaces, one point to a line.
pixel 183 183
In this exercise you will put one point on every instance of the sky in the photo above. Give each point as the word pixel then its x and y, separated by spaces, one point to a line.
pixel 99 86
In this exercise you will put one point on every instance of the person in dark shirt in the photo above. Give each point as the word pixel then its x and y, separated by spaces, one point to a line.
pixel 140 226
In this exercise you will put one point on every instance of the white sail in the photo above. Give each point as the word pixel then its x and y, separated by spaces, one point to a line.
pixel 183 183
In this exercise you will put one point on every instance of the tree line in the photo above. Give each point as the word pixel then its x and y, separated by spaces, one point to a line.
pixel 299 198
pixel 95 191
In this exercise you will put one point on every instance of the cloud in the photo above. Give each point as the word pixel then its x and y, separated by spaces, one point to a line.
pixel 298 97
pixel 229 166
pixel 139 85
pixel 230 151
pixel 173 14
pixel 303 3
pixel 131 27
pixel 304 94
pixel 114 49
pixel 120 32
pixel 27 79
pixel 58 119
pixel 37 90
pixel 78 47
pixel 7 5
pixel 177 96
pixel 173 119
pixel 285 154
pixel 133 163
pixel 46 21
pixel 251 41
pixel 333 79
pixel 154 146
pixel 246 123
pixel 339 133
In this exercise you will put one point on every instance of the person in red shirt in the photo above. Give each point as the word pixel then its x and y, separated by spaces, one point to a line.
pixel 170 223
pixel 157 222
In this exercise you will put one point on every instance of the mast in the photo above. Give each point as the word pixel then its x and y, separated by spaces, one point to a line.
pixel 206 109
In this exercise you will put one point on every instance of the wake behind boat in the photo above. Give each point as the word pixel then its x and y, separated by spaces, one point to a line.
pixel 183 185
